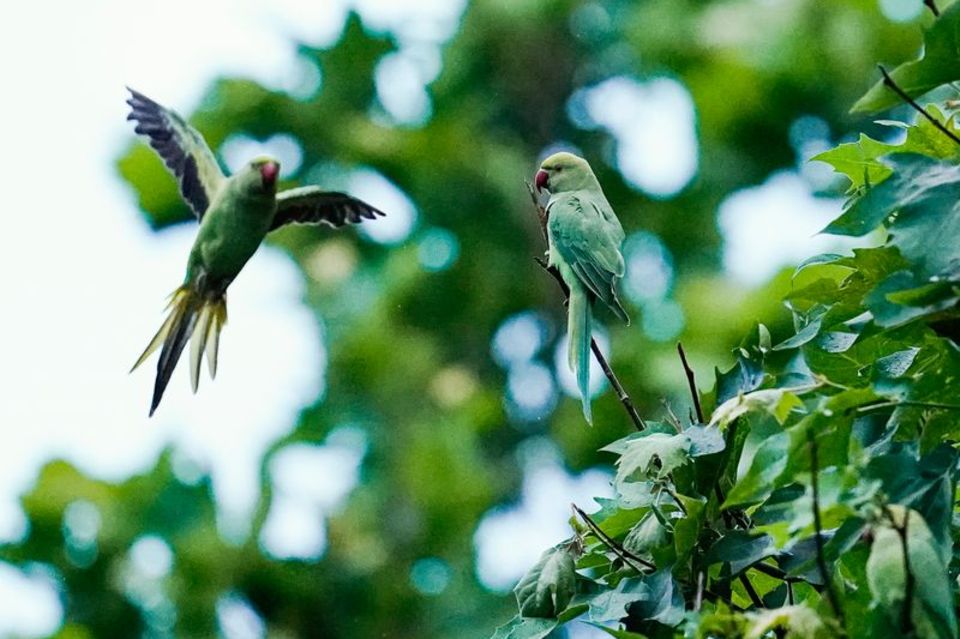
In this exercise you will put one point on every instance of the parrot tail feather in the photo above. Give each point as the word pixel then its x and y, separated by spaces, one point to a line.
pixel 193 318
pixel 578 354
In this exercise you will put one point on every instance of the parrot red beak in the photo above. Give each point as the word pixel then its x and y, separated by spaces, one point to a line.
pixel 269 172
pixel 541 180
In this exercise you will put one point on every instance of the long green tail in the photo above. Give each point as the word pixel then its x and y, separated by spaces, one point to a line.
pixel 579 335
pixel 194 318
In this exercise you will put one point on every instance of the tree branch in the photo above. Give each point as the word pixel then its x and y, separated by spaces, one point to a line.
pixel 692 383
pixel 818 529
pixel 751 591
pixel 912 404
pixel 893 86
pixel 610 543
pixel 933 8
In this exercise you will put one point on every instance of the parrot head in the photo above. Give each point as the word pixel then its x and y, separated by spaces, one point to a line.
pixel 259 177
pixel 564 172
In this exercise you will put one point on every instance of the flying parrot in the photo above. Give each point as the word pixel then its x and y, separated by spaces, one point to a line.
pixel 584 237
pixel 235 214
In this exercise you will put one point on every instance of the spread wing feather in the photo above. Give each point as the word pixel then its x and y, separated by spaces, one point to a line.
pixel 313 205
pixel 182 148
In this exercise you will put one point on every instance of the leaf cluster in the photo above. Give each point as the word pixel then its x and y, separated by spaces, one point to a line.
pixel 816 496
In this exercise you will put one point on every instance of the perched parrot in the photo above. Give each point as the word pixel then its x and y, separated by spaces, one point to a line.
pixel 235 214
pixel 584 237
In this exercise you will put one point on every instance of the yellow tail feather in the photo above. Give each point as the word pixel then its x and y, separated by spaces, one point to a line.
pixel 192 318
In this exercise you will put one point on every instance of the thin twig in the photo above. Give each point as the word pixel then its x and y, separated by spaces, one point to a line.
pixel 611 376
pixel 695 396
pixel 933 8
pixel 628 556
pixel 790 593
pixel 676 498
pixel 891 84
pixel 773 571
pixel 818 530
pixel 751 591
pixel 610 543
pixel 909 403
pixel 692 382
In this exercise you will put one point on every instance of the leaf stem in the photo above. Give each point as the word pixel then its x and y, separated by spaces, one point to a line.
pixel 892 85
pixel 818 529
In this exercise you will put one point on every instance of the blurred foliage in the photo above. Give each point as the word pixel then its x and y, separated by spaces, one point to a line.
pixel 410 347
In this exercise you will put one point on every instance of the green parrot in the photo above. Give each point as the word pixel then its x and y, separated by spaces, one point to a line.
pixel 235 214
pixel 584 237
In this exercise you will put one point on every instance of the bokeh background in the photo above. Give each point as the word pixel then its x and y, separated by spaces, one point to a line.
pixel 393 437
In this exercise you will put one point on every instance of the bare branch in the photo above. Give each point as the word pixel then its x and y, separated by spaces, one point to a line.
pixel 892 85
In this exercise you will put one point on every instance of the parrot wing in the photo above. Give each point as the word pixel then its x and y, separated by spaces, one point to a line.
pixel 182 148
pixel 313 205
pixel 590 245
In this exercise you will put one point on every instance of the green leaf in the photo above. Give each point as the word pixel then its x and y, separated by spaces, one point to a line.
pixel 705 440
pixel 525 628
pixel 768 464
pixel 617 516
pixel 936 67
pixel 803 336
pixel 896 364
pixel 925 196
pixel 817 260
pixel 932 613
pixel 778 402
pixel 903 298
pixel 668 451
pixel 745 376
pixel 741 550
pixel 686 531
pixel 611 605
pixel 635 494
pixel 859 161
pixel 647 534
pixel 665 602
pixel 549 586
